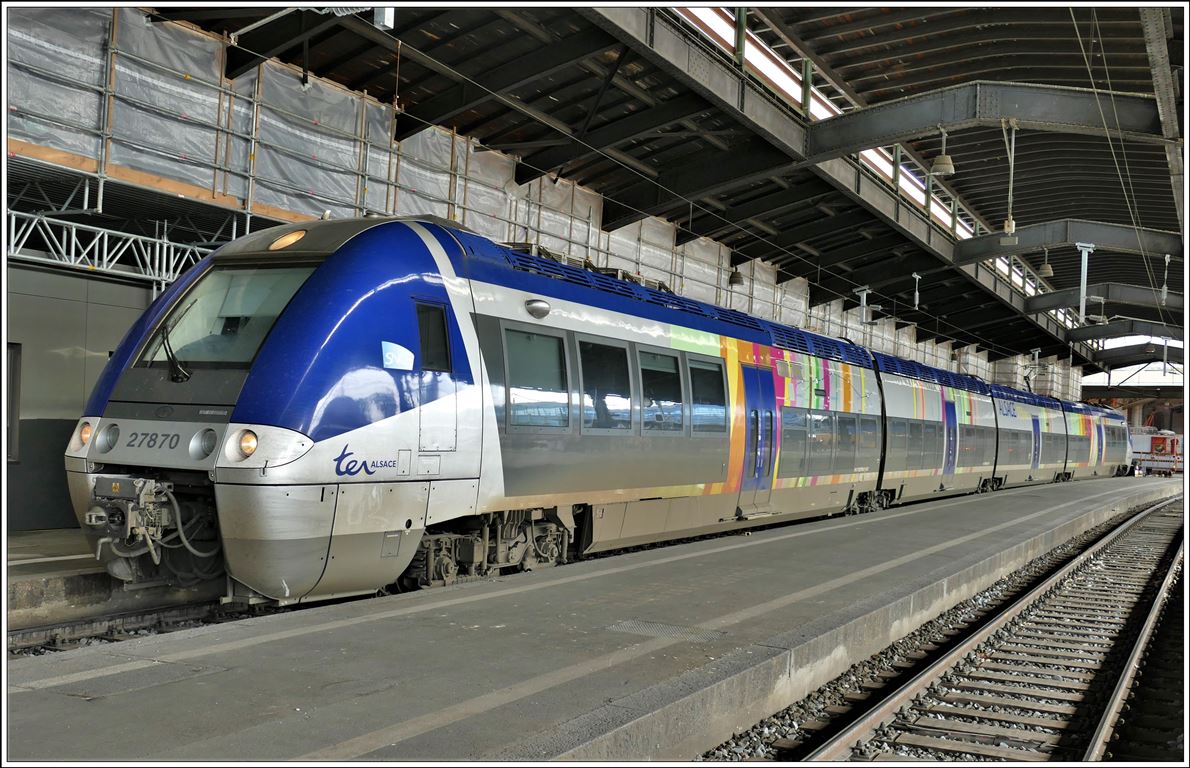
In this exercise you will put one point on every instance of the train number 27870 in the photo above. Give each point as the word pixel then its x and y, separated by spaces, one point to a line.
pixel 163 440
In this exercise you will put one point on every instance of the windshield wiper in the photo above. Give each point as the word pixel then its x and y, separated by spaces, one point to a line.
pixel 177 372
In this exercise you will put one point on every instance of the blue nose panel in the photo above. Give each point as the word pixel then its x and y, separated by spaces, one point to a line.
pixel 346 352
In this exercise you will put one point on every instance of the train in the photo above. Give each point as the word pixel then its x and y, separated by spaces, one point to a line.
pixel 346 407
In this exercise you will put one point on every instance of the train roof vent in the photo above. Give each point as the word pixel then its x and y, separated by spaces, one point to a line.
pixel 612 285
pixel 825 346
pixel 671 300
pixel 790 338
pixel 549 268
pixel 736 317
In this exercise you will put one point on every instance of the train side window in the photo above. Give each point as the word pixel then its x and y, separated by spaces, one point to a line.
pixel 435 343
pixel 537 393
pixel 792 459
pixel 822 439
pixel 607 393
pixel 967 446
pixel 708 409
pixel 931 444
pixel 845 444
pixel 661 388
pixel 916 445
pixel 898 435
pixel 867 456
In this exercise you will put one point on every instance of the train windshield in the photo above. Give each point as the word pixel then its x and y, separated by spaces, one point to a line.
pixel 222 321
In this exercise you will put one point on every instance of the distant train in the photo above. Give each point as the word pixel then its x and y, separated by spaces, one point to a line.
pixel 339 407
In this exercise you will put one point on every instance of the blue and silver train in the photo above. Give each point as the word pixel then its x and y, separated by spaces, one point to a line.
pixel 339 407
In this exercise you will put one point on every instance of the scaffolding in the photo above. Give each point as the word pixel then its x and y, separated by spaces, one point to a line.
pixel 126 104
pixel 53 242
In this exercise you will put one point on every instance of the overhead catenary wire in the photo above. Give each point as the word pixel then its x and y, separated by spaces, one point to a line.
pixel 512 102
pixel 1129 200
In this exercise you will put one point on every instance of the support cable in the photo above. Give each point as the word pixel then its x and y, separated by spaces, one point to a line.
pixel 513 103
pixel 1129 201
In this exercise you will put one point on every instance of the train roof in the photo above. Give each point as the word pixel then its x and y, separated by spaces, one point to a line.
pixel 1091 409
pixel 508 266
pixel 914 370
pixel 1008 393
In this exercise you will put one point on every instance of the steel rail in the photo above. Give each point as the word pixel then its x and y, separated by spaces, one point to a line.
pixel 839 747
pixel 1107 724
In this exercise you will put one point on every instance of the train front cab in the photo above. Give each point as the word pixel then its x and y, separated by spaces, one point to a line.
pixel 1031 432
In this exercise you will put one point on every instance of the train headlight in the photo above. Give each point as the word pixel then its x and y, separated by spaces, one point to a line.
pixel 85 432
pixel 248 442
pixel 203 444
pixel 107 438
pixel 286 240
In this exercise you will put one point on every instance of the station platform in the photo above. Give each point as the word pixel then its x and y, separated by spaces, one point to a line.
pixel 659 653
pixel 53 578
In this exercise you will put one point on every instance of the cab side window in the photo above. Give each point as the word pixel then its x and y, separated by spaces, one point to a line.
pixel 435 343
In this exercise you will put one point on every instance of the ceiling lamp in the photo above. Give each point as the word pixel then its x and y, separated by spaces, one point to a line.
pixel 735 278
pixel 1149 348
pixel 1009 237
pixel 943 164
pixel 1046 270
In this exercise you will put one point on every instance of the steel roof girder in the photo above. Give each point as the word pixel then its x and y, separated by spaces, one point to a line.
pixel 741 165
pixel 1118 357
pixel 624 129
pixel 1113 293
pixel 1125 327
pixel 1158 29
pixel 1106 237
pixel 726 89
pixel 704 73
pixel 981 104
pixel 514 74
pixel 993 282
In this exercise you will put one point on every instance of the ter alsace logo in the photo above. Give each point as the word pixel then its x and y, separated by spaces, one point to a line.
pixel 345 466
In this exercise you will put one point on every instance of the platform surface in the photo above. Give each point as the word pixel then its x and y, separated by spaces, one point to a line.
pixel 534 665
pixel 50 550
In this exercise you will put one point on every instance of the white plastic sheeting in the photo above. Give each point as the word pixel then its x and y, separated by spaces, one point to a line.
pixel 56 71
pixel 268 139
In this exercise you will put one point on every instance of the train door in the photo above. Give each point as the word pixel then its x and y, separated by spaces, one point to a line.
pixel 1036 442
pixel 950 424
pixel 438 415
pixel 760 438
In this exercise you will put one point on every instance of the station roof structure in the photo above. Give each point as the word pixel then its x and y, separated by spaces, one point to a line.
pixel 647 107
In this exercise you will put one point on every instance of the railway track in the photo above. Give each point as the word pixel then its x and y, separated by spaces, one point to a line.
pixel 1152 727
pixel 111 628
pixel 1044 680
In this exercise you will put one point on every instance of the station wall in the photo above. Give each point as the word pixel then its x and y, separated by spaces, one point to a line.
pixel 61 329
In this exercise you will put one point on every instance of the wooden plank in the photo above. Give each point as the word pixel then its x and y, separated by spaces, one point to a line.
pixel 52 156
pixel 1076 656
pixel 982 729
pixel 1006 717
pixel 969 748
pixel 1036 658
pixel 273 212
pixel 1001 701
pixel 1099 617
pixel 1028 677
pixel 1069 629
pixel 1036 668
pixel 1050 642
pixel 172 186
pixel 1023 691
